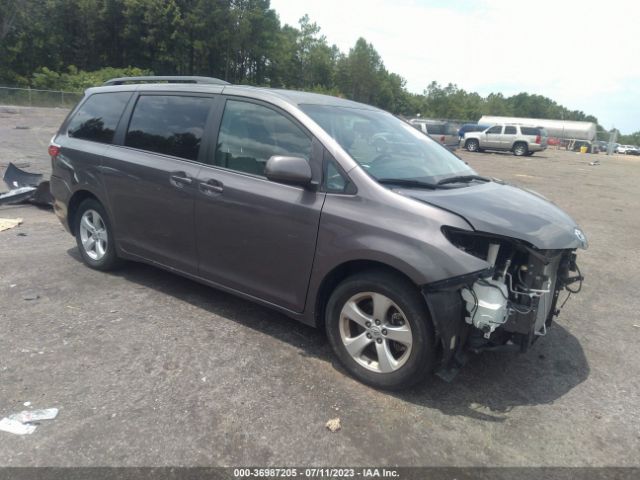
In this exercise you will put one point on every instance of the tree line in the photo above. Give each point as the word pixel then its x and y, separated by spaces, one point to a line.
pixel 74 44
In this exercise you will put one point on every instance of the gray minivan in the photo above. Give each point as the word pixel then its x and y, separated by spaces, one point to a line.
pixel 332 212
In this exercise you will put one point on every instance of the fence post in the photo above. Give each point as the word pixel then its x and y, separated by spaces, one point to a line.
pixel 62 98
pixel 30 97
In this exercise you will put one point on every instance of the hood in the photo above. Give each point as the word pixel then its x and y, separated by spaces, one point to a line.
pixel 507 210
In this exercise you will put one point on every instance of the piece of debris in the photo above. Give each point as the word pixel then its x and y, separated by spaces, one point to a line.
pixel 30 296
pixel 29 416
pixel 595 162
pixel 22 127
pixel 637 326
pixel 27 404
pixel 7 223
pixel 25 186
pixel 16 427
pixel 333 425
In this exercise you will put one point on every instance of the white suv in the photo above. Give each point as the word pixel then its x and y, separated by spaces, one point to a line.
pixel 519 139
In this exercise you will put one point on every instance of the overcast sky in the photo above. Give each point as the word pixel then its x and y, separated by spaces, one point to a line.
pixel 583 54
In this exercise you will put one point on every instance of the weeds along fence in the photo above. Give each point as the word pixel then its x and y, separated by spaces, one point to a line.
pixel 31 97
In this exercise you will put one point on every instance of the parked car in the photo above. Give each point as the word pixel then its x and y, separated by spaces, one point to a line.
pixel 623 148
pixel 332 212
pixel 519 139
pixel 471 127
pixel 444 132
pixel 634 150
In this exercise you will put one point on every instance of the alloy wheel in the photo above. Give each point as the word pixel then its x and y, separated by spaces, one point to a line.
pixel 375 332
pixel 93 235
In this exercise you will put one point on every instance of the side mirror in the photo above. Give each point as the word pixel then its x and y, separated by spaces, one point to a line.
pixel 291 170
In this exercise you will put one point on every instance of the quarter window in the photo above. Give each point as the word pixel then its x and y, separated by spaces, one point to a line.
pixel 169 124
pixel 98 117
pixel 250 134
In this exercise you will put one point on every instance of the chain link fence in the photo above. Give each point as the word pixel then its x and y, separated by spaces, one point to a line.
pixel 31 97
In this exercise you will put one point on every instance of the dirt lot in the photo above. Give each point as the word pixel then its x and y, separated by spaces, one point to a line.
pixel 150 369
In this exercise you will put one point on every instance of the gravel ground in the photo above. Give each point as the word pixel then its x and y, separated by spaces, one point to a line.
pixel 150 369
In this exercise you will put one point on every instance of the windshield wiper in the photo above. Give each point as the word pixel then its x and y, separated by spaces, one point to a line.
pixel 407 182
pixel 463 179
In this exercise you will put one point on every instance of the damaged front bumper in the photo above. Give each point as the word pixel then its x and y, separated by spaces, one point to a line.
pixel 507 306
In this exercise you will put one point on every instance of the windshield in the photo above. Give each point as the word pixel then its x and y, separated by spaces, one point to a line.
pixel 386 147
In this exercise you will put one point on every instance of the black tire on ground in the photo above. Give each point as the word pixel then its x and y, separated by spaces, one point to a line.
pixel 472 145
pixel 528 154
pixel 110 260
pixel 421 358
pixel 520 149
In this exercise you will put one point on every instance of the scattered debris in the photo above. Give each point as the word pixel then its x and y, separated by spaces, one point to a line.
pixel 595 162
pixel 30 296
pixel 333 425
pixel 14 426
pixel 25 186
pixel 22 423
pixel 7 223
pixel 29 416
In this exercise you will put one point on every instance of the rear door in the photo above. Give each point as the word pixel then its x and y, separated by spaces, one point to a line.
pixel 509 137
pixel 151 177
pixel 257 236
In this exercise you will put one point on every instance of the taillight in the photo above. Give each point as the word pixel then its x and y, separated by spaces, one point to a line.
pixel 442 139
pixel 538 139
pixel 54 150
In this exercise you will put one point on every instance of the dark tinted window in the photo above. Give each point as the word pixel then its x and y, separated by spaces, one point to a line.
pixel 169 124
pixel 496 129
pixel 510 130
pixel 250 134
pixel 530 131
pixel 334 181
pixel 436 128
pixel 98 117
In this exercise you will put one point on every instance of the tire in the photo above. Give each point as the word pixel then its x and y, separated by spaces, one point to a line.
pixel 373 357
pixel 520 149
pixel 528 154
pixel 472 145
pixel 95 236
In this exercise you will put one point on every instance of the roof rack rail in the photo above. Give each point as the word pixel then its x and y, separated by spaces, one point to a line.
pixel 168 79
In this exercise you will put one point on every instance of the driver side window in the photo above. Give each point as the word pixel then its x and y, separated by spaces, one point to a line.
pixel 496 129
pixel 250 134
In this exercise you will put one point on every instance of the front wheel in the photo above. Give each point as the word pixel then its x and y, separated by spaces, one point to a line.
pixel 379 328
pixel 472 145
pixel 94 236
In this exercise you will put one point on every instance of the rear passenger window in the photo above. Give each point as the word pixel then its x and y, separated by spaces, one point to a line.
pixel 169 124
pixel 98 117
pixel 510 130
pixel 250 134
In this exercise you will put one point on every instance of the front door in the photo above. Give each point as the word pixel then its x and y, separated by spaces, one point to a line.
pixel 151 179
pixel 254 235
pixel 493 137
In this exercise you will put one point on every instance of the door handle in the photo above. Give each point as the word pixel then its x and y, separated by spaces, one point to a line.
pixel 211 186
pixel 180 179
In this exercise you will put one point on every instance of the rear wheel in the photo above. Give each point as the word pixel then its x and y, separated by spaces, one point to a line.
pixel 379 328
pixel 472 145
pixel 94 236
pixel 520 149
